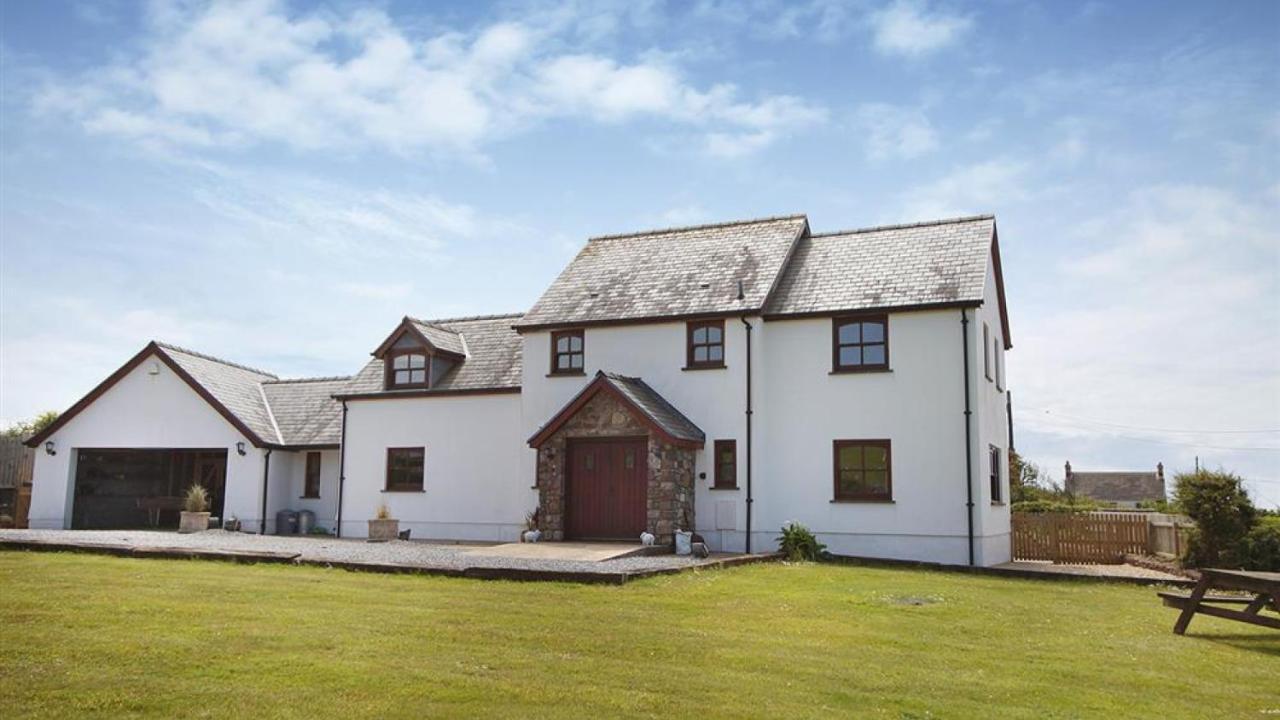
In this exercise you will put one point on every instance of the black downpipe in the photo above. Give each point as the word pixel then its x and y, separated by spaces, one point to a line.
pixel 750 499
pixel 1008 413
pixel 342 468
pixel 968 436
pixel 266 470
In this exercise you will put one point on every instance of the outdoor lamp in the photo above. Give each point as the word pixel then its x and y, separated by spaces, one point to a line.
pixel 240 447
pixel 48 448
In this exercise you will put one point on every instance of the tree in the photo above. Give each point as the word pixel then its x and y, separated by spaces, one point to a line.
pixel 1028 482
pixel 24 429
pixel 1223 512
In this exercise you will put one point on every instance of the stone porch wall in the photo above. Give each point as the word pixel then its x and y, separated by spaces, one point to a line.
pixel 671 469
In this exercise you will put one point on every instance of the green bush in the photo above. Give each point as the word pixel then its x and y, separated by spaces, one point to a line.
pixel 1048 506
pixel 798 543
pixel 1260 549
pixel 1223 513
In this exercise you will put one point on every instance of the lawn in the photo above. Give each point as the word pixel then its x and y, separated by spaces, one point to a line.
pixel 92 636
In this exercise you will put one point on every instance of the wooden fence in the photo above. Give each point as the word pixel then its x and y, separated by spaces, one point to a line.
pixel 1079 538
pixel 16 464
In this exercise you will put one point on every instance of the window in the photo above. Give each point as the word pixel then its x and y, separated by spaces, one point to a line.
pixel 404 469
pixel 726 454
pixel 705 345
pixel 407 369
pixel 311 484
pixel 860 344
pixel 566 352
pixel 986 350
pixel 998 350
pixel 862 471
pixel 997 495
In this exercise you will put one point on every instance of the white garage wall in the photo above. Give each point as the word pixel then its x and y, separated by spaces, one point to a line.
pixel 476 483
pixel 148 408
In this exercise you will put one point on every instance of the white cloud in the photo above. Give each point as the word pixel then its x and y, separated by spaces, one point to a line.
pixel 235 74
pixel 908 27
pixel 895 132
pixel 981 188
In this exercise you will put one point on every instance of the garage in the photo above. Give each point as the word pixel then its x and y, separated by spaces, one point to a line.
pixel 118 488
pixel 607 488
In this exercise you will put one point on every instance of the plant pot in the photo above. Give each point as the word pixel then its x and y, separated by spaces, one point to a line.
pixel 383 530
pixel 189 522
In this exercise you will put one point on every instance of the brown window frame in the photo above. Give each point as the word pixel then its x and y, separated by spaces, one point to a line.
pixel 836 345
pixel 721 482
pixel 555 355
pixel 389 371
pixel 886 496
pixel 994 476
pixel 420 486
pixel 690 346
pixel 986 350
pixel 311 477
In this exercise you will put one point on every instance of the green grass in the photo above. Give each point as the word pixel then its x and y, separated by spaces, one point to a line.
pixel 92 636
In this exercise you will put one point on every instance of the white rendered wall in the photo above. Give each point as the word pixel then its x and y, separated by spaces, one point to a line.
pixel 141 411
pixel 713 399
pixel 477 482
pixel 991 423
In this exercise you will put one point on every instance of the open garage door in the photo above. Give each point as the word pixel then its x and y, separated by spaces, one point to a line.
pixel 124 488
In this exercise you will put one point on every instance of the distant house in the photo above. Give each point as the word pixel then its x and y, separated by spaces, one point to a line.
pixel 1124 488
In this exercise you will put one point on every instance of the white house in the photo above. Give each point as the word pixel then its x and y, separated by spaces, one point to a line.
pixel 727 378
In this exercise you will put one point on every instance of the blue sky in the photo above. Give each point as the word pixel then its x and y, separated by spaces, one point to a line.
pixel 279 182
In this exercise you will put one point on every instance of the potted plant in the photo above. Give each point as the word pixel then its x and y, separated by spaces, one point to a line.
pixel 195 510
pixel 383 527
pixel 531 532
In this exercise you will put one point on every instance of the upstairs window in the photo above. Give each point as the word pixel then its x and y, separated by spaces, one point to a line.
pixel 405 469
pixel 998 351
pixel 860 344
pixel 997 487
pixel 986 350
pixel 726 452
pixel 863 471
pixel 567 356
pixel 311 484
pixel 407 369
pixel 705 346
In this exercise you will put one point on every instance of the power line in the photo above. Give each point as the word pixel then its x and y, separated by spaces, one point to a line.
pixel 1180 444
pixel 1153 429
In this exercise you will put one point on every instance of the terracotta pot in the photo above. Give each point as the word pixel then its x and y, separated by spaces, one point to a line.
pixel 190 522
pixel 383 530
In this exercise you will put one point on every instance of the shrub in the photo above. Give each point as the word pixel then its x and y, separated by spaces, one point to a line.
pixel 798 543
pixel 1048 506
pixel 1260 549
pixel 317 530
pixel 1223 514
pixel 383 512
pixel 197 499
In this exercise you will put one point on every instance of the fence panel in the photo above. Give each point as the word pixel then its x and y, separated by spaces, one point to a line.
pixel 1079 538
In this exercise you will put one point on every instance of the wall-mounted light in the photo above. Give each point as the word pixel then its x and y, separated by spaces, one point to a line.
pixel 240 447
pixel 48 448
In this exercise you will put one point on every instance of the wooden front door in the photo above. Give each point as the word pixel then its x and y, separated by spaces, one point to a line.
pixel 606 488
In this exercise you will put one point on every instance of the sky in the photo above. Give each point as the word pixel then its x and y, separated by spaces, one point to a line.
pixel 278 183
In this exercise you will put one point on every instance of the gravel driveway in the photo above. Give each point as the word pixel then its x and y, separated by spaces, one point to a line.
pixel 330 549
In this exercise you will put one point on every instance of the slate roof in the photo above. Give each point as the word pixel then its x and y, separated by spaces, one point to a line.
pixel 493 352
pixel 442 338
pixel 656 407
pixel 669 273
pixel 236 387
pixel 939 262
pixel 1117 486
pixel 305 411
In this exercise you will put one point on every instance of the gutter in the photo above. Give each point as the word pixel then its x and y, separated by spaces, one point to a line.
pixel 749 412
pixel 266 471
pixel 968 430
pixel 342 468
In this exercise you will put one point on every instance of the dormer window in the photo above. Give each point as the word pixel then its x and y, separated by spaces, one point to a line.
pixel 407 369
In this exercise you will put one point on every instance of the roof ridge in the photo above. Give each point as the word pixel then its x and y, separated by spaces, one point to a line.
pixel 213 358
pixel 464 318
pixel 327 378
pixel 904 226
pixel 705 226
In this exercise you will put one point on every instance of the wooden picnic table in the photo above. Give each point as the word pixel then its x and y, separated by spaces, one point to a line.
pixel 1263 589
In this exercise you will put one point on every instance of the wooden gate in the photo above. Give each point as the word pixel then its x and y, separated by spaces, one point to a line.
pixel 16 464
pixel 1079 538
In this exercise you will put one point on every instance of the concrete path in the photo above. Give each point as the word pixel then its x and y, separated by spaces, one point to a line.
pixel 565 551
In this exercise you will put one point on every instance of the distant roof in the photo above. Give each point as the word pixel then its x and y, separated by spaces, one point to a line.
pixel 1117 486
pixel 652 408
pixel 493 351
pixel 674 272
pixel 931 263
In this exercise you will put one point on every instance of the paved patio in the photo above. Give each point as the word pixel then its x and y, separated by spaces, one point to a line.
pixel 586 562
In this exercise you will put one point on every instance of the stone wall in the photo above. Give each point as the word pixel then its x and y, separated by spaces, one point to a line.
pixel 671 469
